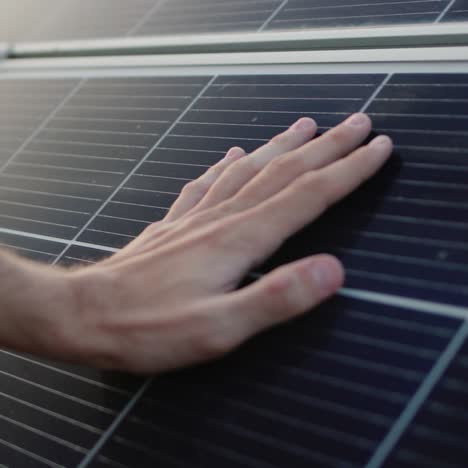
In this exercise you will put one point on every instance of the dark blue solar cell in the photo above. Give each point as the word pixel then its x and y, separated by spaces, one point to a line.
pixel 457 12
pixel 406 228
pixel 53 183
pixel 336 13
pixel 33 248
pixel 436 437
pixel 325 397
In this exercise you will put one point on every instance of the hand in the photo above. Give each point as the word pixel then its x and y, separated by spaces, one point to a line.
pixel 169 298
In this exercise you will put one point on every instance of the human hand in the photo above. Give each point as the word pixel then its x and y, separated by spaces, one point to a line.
pixel 169 298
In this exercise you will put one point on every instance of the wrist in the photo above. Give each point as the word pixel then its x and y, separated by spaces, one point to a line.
pixel 35 305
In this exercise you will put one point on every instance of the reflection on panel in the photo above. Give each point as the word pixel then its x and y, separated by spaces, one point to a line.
pixel 25 20
pixel 208 16
pixel 338 13
pixel 85 148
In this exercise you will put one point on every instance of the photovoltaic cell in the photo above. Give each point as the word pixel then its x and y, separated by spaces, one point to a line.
pixel 25 104
pixel 61 176
pixel 84 256
pixel 338 13
pixel 35 249
pixel 207 16
pixel 248 111
pixel 87 19
pixel 406 228
pixel 325 397
pixel 457 12
pixel 437 436
pixel 52 414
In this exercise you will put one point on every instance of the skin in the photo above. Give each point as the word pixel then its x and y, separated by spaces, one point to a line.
pixel 169 298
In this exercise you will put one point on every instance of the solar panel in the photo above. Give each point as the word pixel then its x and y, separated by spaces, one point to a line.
pixel 91 156
pixel 99 158
pixel 436 436
pixel 87 19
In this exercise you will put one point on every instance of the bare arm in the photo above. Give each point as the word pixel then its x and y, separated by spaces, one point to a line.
pixel 169 298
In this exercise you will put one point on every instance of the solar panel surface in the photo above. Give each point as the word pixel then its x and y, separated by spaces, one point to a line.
pixel 24 20
pixel 436 438
pixel 458 11
pixel 115 152
pixel 326 397
pixel 101 158
pixel 339 13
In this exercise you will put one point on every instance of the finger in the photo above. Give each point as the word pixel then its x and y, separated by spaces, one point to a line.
pixel 194 191
pixel 239 174
pixel 284 293
pixel 331 146
pixel 265 227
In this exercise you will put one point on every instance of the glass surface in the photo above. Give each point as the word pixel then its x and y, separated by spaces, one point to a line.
pixel 29 20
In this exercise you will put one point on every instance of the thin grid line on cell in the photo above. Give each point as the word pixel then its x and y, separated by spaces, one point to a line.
pixel 137 167
pixel 43 123
pixel 414 405
pixel 274 14
pixel 94 452
pixel 444 11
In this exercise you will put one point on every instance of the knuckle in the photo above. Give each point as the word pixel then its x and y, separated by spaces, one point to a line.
pixel 214 346
pixel 215 170
pixel 215 236
pixel 281 139
pixel 340 135
pixel 214 339
pixel 319 184
pixel 280 164
pixel 245 166
pixel 289 163
pixel 152 228
pixel 195 187
pixel 308 180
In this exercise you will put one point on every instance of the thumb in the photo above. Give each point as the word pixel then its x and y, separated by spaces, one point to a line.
pixel 284 293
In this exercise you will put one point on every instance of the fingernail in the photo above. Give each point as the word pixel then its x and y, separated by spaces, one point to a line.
pixel 381 140
pixel 356 119
pixel 235 152
pixel 303 124
pixel 324 275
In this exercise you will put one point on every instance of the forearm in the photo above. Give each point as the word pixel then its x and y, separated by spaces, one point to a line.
pixel 34 303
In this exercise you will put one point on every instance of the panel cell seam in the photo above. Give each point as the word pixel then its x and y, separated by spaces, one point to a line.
pixel 376 92
pixel 135 169
pixel 419 398
pixel 273 16
pixel 142 20
pixel 43 124
pixel 94 452
pixel 444 11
